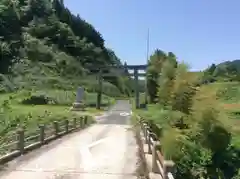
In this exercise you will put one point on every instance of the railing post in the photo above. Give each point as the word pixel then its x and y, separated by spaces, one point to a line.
pixel 74 123
pixel 85 120
pixel 20 144
pixel 168 168
pixel 42 133
pixel 55 124
pixel 155 168
pixel 160 132
pixel 81 122
pixel 66 126
pixel 145 132
pixel 90 121
pixel 149 142
pixel 141 123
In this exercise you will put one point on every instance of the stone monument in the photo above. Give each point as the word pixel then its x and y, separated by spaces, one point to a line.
pixel 79 105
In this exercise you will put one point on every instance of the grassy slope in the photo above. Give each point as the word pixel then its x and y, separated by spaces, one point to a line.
pixel 13 113
pixel 229 101
pixel 63 99
pixel 228 95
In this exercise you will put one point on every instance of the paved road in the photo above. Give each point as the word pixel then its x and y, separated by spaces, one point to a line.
pixel 104 150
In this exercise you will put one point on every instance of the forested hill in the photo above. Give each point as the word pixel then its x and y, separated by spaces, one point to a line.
pixel 43 42
pixel 225 71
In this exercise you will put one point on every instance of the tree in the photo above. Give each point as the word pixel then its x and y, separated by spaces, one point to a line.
pixel 212 69
pixel 183 90
pixel 154 69
pixel 11 34
pixel 44 35
pixel 166 83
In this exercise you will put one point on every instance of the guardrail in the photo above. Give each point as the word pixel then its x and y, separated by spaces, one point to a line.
pixel 160 166
pixel 21 141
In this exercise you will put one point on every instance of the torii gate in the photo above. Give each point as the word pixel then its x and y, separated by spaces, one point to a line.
pixel 135 74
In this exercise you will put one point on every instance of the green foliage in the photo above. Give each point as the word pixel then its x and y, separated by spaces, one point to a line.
pixel 10 39
pixel 45 40
pixel 226 71
pixel 12 118
pixel 37 100
pixel 229 93
pixel 52 97
pixel 166 83
pixel 194 131
pixel 40 107
pixel 154 71
pixel 183 90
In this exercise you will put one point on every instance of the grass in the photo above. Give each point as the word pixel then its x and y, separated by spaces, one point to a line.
pixel 12 103
pixel 59 97
pixel 229 103
pixel 13 113
pixel 26 109
pixel 228 95
pixel 62 102
pixel 29 118
pixel 228 98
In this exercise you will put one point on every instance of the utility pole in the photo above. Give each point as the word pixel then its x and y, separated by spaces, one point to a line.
pixel 146 85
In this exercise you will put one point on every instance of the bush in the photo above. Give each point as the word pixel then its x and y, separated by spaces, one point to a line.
pixel 59 97
pixel 194 132
pixel 36 100
pixel 11 120
pixel 229 93
pixel 5 84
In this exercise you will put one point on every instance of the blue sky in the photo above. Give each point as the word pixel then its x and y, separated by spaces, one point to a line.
pixel 199 32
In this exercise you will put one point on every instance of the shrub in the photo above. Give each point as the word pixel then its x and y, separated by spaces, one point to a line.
pixel 36 100
pixel 59 97
pixel 194 130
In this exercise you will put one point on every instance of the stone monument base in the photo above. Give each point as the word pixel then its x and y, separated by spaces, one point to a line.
pixel 78 106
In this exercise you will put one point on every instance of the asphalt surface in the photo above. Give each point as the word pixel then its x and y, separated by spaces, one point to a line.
pixel 104 150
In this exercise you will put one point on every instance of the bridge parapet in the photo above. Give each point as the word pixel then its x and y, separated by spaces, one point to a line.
pixel 25 141
pixel 158 164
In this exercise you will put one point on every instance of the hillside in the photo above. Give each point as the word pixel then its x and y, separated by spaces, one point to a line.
pixel 225 71
pixel 230 65
pixel 46 53
pixel 195 115
pixel 43 45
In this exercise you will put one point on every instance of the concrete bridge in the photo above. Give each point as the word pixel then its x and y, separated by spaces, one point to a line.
pixel 107 149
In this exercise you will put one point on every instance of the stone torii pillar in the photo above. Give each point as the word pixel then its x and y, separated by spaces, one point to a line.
pixel 136 88
pixel 99 94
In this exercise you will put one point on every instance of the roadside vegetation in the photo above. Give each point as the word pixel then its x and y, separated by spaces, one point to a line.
pixel 46 54
pixel 199 118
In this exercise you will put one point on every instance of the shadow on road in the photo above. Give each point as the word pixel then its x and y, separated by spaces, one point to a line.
pixel 114 119
pixel 119 114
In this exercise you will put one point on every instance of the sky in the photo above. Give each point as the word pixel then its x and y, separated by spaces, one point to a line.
pixel 198 32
